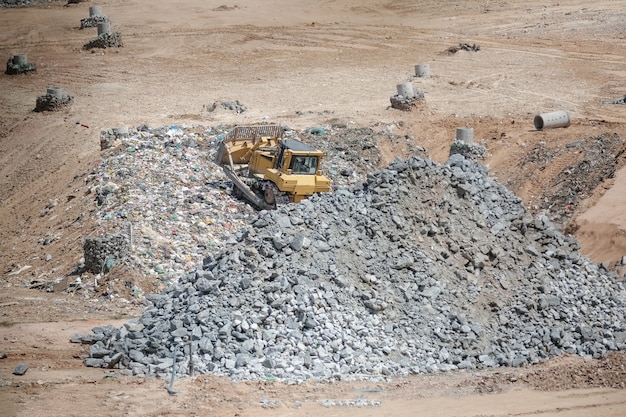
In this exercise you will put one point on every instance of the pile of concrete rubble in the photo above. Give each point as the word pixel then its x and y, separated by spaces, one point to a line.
pixel 51 102
pixel 15 3
pixel 421 268
pixel 105 40
pixel 92 21
pixel 14 67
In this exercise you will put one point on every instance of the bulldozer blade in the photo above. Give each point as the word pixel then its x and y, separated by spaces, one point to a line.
pixel 245 190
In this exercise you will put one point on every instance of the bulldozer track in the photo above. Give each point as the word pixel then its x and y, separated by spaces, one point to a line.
pixel 279 198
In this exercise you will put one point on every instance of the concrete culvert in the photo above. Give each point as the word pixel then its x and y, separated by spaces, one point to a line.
pixel 554 119
pixel 20 59
pixel 406 90
pixel 465 134
pixel 55 92
pixel 104 28
pixel 95 11
pixel 422 70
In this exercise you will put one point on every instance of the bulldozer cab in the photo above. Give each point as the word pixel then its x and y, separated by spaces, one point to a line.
pixel 295 157
pixel 267 169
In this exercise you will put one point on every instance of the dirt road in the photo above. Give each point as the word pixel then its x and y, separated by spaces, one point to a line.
pixel 301 64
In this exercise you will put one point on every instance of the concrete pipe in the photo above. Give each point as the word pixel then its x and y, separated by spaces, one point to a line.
pixel 551 120
pixel 55 92
pixel 95 11
pixel 406 90
pixel 104 27
pixel 465 134
pixel 422 70
pixel 20 59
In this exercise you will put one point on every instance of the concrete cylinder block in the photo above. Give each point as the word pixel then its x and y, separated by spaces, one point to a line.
pixel 554 119
pixel 20 59
pixel 55 92
pixel 104 27
pixel 406 90
pixel 465 134
pixel 95 11
pixel 422 70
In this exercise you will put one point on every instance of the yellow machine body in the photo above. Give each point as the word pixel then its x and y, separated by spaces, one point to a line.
pixel 292 166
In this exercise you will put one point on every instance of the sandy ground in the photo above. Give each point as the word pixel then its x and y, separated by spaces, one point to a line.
pixel 301 64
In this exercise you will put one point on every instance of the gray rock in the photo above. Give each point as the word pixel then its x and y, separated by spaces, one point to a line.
pixel 94 362
pixel 98 350
pixel 20 369
pixel 206 286
pixel 297 242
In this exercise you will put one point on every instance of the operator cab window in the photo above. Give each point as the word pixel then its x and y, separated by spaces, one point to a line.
pixel 304 165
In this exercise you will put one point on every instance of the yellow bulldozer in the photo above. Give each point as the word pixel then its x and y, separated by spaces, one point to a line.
pixel 268 170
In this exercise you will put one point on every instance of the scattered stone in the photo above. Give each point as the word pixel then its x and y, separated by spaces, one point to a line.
pixel 50 102
pixel 621 100
pixel 358 402
pixel 20 369
pixel 16 3
pixel 3 355
pixel 92 21
pixel 112 137
pixel 235 106
pixel 15 66
pixel 473 150
pixel 406 103
pixel 577 181
pixel 105 40
pixel 463 47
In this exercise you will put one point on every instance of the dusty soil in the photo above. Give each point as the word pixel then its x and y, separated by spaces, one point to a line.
pixel 303 64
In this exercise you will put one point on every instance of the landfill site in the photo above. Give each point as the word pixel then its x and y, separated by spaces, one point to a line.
pixel 276 208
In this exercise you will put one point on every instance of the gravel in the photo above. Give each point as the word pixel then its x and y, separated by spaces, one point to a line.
pixel 421 268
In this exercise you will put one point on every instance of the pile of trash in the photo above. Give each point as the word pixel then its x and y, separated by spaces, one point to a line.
pixel 463 47
pixel 162 182
pixel 421 268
